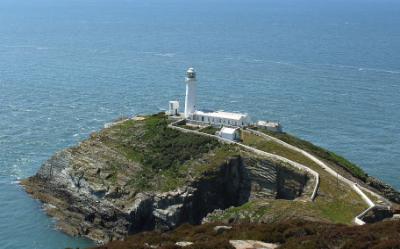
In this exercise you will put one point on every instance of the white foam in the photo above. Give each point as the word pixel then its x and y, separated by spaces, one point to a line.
pixel 165 54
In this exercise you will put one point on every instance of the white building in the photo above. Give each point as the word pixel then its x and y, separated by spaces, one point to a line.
pixel 230 133
pixel 216 118
pixel 191 88
pixel 271 126
pixel 220 118
pixel 173 109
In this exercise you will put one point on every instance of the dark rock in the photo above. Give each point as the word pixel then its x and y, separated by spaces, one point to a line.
pixel 85 207
pixel 388 191
pixel 377 213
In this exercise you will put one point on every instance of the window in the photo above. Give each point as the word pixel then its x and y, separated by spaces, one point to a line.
pixel 202 119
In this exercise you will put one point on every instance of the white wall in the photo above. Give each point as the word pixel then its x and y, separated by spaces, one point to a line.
pixel 190 99
pixel 220 121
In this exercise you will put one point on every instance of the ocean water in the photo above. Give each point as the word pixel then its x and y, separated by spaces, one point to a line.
pixel 328 70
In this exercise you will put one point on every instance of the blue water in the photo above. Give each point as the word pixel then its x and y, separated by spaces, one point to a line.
pixel 328 70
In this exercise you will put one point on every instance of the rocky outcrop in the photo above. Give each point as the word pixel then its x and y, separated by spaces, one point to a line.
pixel 378 213
pixel 229 186
pixel 252 244
pixel 86 207
pixel 388 191
pixel 140 175
pixel 82 210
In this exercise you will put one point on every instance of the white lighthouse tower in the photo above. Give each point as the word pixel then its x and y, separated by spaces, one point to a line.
pixel 191 85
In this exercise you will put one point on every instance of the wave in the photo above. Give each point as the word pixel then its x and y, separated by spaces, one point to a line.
pixel 26 47
pixel 358 68
pixel 381 70
pixel 302 64
pixel 165 54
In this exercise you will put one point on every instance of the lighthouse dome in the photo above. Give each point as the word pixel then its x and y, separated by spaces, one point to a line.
pixel 190 73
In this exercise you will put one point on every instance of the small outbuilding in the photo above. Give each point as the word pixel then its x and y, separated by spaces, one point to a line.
pixel 271 126
pixel 232 134
pixel 173 109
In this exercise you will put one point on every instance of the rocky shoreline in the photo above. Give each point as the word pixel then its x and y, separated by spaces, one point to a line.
pixel 112 184
pixel 85 202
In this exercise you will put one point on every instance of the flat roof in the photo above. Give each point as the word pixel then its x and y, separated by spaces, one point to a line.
pixel 228 130
pixel 221 114
pixel 268 123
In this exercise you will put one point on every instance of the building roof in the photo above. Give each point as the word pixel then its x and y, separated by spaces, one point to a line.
pixel 228 130
pixel 268 123
pixel 221 114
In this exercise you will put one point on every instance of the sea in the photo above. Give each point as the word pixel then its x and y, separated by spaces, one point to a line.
pixel 328 70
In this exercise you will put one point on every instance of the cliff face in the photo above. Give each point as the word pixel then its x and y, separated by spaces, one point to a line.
pixel 83 211
pixel 104 190
pixel 80 210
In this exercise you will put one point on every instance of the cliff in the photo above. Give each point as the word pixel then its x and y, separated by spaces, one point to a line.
pixel 141 175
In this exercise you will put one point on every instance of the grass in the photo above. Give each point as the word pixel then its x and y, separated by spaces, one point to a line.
pixel 215 159
pixel 322 153
pixel 183 124
pixel 153 144
pixel 170 158
pixel 164 153
pixel 209 130
pixel 335 202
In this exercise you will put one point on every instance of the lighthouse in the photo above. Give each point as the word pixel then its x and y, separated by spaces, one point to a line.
pixel 195 116
pixel 190 99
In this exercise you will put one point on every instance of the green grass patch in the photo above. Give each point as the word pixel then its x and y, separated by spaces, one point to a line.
pixel 335 202
pixel 153 144
pixel 209 130
pixel 322 153
pixel 214 160
pixel 162 151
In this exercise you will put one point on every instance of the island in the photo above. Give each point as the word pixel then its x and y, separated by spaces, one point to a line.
pixel 216 173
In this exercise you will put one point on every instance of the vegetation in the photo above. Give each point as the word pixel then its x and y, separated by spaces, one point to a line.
pixel 169 158
pixel 209 130
pixel 183 124
pixel 165 154
pixel 153 144
pixel 289 234
pixel 335 202
pixel 168 148
pixel 320 152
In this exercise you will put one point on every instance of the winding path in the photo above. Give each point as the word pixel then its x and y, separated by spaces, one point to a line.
pixel 299 166
pixel 357 188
